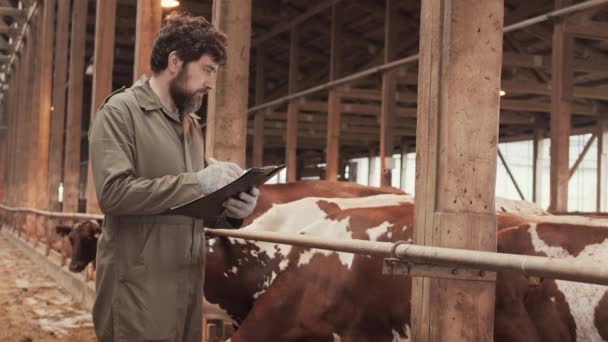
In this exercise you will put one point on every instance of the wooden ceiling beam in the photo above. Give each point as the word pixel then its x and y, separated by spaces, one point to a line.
pixel 591 30
pixel 7 11
pixel 515 87
pixel 293 22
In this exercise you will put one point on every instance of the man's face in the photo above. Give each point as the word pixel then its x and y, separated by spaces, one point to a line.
pixel 192 82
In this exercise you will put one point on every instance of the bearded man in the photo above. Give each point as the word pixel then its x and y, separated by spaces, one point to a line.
pixel 146 149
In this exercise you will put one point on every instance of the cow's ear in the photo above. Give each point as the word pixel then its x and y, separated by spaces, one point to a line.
pixel 63 230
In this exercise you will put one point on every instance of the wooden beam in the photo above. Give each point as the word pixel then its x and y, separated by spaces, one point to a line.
pixel 537 166
pixel 291 146
pixel 44 70
pixel 403 149
pixel 148 21
pixel 258 121
pixel 389 88
pixel 602 166
pixel 226 137
pixel 561 112
pixel 581 156
pixel 372 151
pixel 544 62
pixel 592 30
pixel 293 22
pixel 333 116
pixel 528 87
pixel 102 75
pixel 455 200
pixel 510 174
pixel 11 12
pixel 73 136
pixel 59 94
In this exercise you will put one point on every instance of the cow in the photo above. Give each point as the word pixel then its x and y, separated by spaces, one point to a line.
pixel 83 239
pixel 283 293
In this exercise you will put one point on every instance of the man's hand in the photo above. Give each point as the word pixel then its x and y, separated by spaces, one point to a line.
pixel 218 175
pixel 242 207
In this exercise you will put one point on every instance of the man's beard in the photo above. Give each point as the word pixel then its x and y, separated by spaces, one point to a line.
pixel 186 102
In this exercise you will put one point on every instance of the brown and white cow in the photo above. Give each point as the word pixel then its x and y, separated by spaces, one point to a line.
pixel 283 293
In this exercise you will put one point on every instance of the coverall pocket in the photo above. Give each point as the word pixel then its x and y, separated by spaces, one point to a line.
pixel 146 306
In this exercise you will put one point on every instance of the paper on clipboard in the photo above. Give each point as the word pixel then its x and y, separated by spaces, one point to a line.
pixel 209 207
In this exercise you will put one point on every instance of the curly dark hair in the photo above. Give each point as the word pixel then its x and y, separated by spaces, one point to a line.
pixel 190 37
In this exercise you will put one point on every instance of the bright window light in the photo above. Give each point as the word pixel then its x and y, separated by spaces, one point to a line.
pixel 502 93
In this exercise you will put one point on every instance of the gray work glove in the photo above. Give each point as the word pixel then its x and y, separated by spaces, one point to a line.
pixel 218 175
pixel 242 207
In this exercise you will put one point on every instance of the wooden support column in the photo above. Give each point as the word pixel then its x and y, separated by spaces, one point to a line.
pixel 258 120
pixel 13 125
pixel 457 137
pixel 333 110
pixel 403 150
pixel 41 96
pixel 59 96
pixel 105 21
pixel 561 111
pixel 227 111
pixel 602 167
pixel 389 90
pixel 291 147
pixel 148 22
pixel 372 150
pixel 537 166
pixel 73 134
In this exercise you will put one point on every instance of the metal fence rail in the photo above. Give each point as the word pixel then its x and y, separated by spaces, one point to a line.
pixel 580 270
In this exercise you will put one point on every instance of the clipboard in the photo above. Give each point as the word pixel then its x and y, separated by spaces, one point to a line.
pixel 209 207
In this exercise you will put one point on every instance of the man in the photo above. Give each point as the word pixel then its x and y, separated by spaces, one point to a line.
pixel 146 150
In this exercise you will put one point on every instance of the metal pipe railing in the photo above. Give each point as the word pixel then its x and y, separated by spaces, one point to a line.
pixel 580 270
pixel 413 58
pixel 82 216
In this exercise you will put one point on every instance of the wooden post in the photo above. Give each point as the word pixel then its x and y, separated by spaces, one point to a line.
pixel 602 166
pixel 389 88
pixel 258 120
pixel 537 166
pixel 148 22
pixel 561 111
pixel 455 196
pixel 105 20
pixel 73 135
pixel 291 146
pixel 370 163
pixel 403 166
pixel 42 97
pixel 333 111
pixel 227 110
pixel 59 93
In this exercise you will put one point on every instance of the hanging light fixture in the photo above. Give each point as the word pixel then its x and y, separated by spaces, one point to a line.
pixel 169 3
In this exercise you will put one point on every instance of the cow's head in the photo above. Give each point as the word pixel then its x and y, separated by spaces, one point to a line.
pixel 83 238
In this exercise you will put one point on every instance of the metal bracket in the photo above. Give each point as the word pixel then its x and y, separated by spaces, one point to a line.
pixel 392 266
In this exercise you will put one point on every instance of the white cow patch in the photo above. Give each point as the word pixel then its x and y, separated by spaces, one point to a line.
pixel 374 233
pixel 336 337
pixel 581 298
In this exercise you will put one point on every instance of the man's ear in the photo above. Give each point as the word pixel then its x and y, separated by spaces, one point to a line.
pixel 174 63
